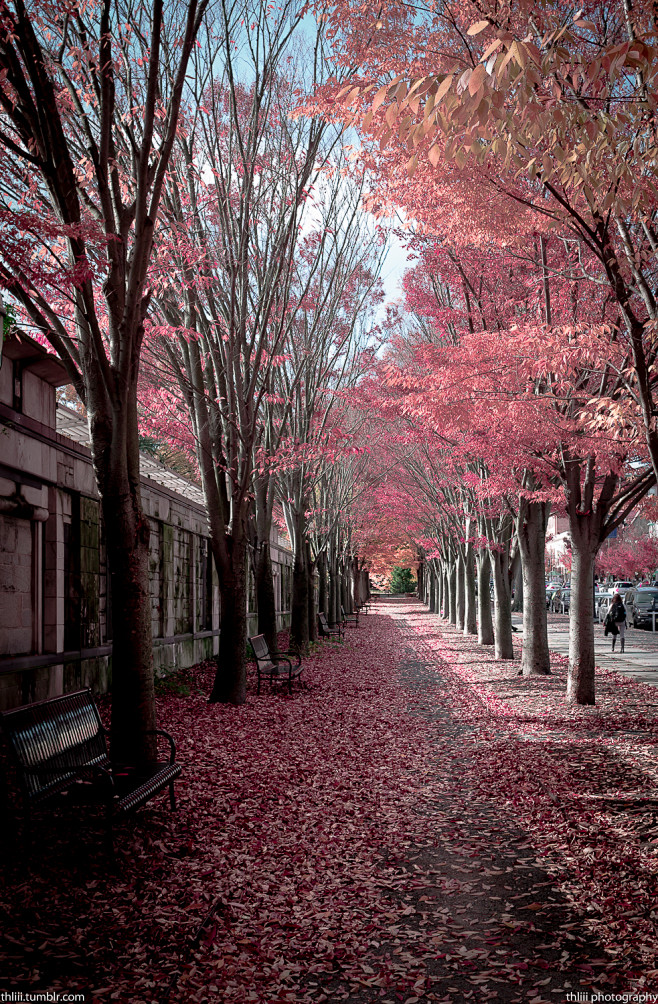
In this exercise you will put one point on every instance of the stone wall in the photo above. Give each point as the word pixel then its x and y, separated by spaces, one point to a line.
pixel 55 609
pixel 16 586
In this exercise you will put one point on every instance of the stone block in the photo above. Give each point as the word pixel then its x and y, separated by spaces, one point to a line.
pixel 89 511
pixel 53 554
pixel 89 560
pixel 36 496
pixel 22 578
pixel 8 535
pixel 6 384
pixel 65 474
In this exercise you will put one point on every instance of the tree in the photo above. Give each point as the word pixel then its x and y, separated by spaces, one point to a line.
pixel 89 108
pixel 528 106
pixel 402 580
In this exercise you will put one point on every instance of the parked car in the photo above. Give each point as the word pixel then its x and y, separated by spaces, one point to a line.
pixel 621 587
pixel 602 602
pixel 639 602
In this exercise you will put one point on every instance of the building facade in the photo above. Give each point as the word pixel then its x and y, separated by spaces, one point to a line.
pixel 55 615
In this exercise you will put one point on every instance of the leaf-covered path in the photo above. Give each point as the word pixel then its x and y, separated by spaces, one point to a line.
pixel 419 824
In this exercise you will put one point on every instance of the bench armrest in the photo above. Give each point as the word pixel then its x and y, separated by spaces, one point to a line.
pixel 165 735
pixel 276 655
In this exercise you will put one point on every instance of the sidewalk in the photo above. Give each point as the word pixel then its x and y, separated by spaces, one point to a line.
pixel 639 661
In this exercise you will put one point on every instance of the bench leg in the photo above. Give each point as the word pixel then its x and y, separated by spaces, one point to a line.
pixel 109 833
pixel 172 796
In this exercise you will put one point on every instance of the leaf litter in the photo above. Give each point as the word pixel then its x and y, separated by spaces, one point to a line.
pixel 396 832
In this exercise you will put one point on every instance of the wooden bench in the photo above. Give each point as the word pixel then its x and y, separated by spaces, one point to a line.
pixel 59 750
pixel 351 619
pixel 329 632
pixel 272 664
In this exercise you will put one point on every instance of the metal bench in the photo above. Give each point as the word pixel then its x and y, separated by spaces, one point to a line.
pixel 272 664
pixel 59 750
pixel 329 632
pixel 351 619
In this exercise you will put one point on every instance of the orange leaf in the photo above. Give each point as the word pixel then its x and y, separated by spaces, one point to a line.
pixel 476 79
pixel 444 88
pixel 380 96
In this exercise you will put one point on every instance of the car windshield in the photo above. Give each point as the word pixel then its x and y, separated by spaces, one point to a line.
pixel 647 596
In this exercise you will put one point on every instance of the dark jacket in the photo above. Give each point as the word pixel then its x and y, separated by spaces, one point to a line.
pixel 618 612
pixel 616 615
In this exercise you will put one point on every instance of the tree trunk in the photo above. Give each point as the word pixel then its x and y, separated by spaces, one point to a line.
pixel 452 594
pixel 345 596
pixel 265 598
pixel 312 610
pixel 461 594
pixel 485 620
pixel 437 587
pixel 586 528
pixel 299 626
pixel 504 647
pixel 517 582
pixel 445 606
pixel 334 587
pixel 263 575
pixel 115 453
pixel 133 696
pixel 531 535
pixel 230 683
pixel 356 582
pixel 323 591
pixel 470 616
pixel 430 581
pixel 580 679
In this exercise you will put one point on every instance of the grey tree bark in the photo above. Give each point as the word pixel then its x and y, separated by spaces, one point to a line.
pixel 461 593
pixel 485 620
pixel 531 534
pixel 452 593
pixel 470 617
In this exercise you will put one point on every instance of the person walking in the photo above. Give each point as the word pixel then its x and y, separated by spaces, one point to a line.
pixel 616 621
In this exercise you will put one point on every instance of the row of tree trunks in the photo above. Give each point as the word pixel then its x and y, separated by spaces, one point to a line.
pixel 451 591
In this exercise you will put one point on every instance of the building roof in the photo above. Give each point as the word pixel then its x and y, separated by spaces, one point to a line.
pixel 74 426
pixel 34 357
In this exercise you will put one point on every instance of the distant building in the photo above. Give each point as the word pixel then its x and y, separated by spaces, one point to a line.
pixel 557 538
pixel 55 617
